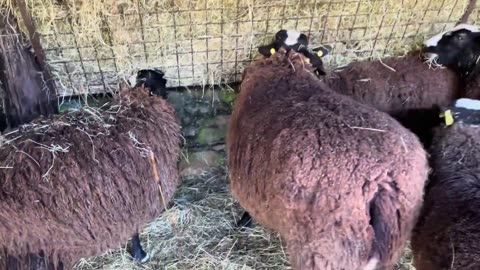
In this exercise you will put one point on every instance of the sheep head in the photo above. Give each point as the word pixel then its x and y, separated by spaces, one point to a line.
pixel 298 42
pixel 458 48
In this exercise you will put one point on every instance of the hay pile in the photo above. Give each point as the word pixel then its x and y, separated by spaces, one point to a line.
pixel 198 233
pixel 92 45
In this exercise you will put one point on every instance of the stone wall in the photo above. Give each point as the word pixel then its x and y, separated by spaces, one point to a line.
pixel 204 115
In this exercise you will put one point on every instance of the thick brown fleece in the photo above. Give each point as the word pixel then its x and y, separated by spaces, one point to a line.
pixel 341 182
pixel 447 236
pixel 404 87
pixel 82 183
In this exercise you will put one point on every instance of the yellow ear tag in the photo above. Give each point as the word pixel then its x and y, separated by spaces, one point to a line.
pixel 307 60
pixel 272 51
pixel 448 117
pixel 320 53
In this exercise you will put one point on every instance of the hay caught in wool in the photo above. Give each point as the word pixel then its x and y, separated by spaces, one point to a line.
pixel 88 174
pixel 92 45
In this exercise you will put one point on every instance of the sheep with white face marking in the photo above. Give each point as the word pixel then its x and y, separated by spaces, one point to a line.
pixel 78 184
pixel 293 40
pixel 459 50
pixel 447 236
pixel 341 182
pixel 287 39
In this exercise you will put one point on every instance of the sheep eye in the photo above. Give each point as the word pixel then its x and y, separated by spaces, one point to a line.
pixel 460 38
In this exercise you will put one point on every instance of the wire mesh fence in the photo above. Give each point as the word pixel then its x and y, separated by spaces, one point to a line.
pixel 92 45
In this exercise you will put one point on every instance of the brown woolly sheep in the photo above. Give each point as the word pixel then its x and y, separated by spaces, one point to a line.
pixel 396 84
pixel 447 236
pixel 78 184
pixel 341 182
pixel 404 87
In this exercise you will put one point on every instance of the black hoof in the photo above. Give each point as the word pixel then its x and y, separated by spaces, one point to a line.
pixel 245 221
pixel 140 257
pixel 138 254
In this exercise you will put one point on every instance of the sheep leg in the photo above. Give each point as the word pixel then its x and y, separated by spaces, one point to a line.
pixel 137 252
pixel 245 221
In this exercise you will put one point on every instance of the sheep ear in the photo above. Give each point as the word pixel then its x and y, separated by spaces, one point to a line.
pixel 322 50
pixel 267 50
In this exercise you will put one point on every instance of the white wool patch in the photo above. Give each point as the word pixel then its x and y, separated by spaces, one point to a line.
pixel 372 264
pixel 292 37
pixel 467 103
pixel 435 39
pixel 132 80
pixel 470 27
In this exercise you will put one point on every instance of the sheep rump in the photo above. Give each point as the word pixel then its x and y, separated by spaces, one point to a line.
pixel 411 92
pixel 447 234
pixel 92 195
pixel 341 182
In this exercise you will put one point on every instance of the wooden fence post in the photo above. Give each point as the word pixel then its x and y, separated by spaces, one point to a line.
pixel 28 92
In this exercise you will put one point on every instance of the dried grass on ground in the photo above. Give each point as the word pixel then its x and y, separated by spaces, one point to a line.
pixel 203 236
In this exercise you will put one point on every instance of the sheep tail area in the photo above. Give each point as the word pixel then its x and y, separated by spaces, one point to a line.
pixel 385 220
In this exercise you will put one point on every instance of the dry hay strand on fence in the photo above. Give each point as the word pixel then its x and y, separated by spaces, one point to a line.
pixel 91 45
pixel 80 183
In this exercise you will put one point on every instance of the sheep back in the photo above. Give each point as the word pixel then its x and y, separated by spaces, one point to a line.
pixel 447 235
pixel 412 92
pixel 341 182
pixel 78 184
pixel 412 84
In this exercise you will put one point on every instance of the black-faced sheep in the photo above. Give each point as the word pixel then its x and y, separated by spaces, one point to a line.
pixel 341 182
pixel 287 39
pixel 447 236
pixel 459 50
pixel 78 184
pixel 293 40
pixel 456 48
pixel 154 78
